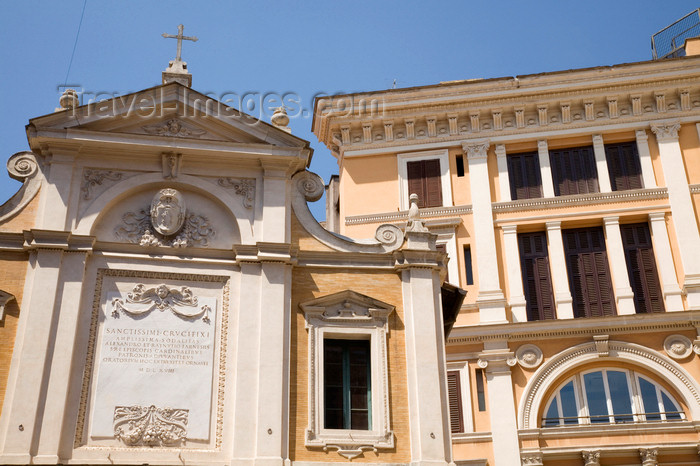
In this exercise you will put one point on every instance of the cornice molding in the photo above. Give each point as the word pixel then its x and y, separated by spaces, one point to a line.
pixel 402 215
pixel 550 329
pixel 537 108
pixel 581 199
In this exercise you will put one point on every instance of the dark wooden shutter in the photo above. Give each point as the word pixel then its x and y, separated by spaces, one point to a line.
pixel 433 187
pixel 537 282
pixel 454 392
pixel 416 175
pixel 524 175
pixel 589 273
pixel 641 268
pixel 574 171
pixel 424 180
pixel 623 165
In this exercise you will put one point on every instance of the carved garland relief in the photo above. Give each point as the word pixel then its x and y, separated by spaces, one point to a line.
pixel 150 426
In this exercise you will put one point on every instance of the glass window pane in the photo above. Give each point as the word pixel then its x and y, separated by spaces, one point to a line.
pixel 595 396
pixel 552 416
pixel 620 396
pixel 670 407
pixel 568 404
pixel 649 400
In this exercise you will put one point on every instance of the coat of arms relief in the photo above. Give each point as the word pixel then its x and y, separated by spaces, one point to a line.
pixel 166 223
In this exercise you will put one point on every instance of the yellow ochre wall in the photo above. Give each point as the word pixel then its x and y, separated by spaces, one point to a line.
pixel 310 283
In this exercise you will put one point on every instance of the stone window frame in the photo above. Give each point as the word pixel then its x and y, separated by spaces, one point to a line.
pixel 348 315
pixel 446 184
pixel 465 393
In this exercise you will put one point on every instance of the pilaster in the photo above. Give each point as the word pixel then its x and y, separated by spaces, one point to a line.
pixel 679 197
pixel 624 296
pixel 490 299
pixel 545 168
pixel 425 354
pixel 516 296
pixel 503 178
pixel 71 276
pixel 276 213
pixel 26 389
pixel 664 261
pixel 645 158
pixel 601 164
pixel 53 207
pixel 496 360
pixel 557 264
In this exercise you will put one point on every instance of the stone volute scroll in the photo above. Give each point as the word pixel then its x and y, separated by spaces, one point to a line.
pixel 165 223
pixel 309 187
pixel 23 167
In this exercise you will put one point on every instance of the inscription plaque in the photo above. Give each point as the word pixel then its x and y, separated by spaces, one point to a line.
pixel 156 349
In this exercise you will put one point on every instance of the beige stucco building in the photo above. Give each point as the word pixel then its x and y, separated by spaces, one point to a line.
pixel 568 205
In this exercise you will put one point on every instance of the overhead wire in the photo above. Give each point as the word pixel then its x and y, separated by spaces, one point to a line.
pixel 75 44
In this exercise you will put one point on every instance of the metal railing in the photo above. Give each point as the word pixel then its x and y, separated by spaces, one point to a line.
pixel 671 416
pixel 668 42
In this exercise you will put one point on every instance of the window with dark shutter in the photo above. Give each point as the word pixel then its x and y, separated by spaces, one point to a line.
pixel 424 180
pixel 589 273
pixel 347 384
pixel 524 175
pixel 623 165
pixel 537 281
pixel 574 171
pixel 454 392
pixel 641 268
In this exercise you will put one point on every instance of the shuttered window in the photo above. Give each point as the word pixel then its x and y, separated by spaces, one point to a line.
pixel 573 171
pixel 424 180
pixel 524 175
pixel 623 165
pixel 641 268
pixel 454 392
pixel 589 274
pixel 537 281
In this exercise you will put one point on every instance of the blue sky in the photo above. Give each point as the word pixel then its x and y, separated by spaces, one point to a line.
pixel 305 48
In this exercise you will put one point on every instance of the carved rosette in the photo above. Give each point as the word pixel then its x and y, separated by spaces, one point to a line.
pixel 678 346
pixel 243 187
pixel 529 356
pixel 150 426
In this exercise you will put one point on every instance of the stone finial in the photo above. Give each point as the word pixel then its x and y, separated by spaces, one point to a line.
pixel 280 119
pixel 68 100
pixel 415 224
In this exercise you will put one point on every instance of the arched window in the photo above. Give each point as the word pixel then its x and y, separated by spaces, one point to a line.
pixel 610 396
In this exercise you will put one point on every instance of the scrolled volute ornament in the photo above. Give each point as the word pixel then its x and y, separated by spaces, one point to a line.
pixel 389 235
pixel 310 185
pixel 22 165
